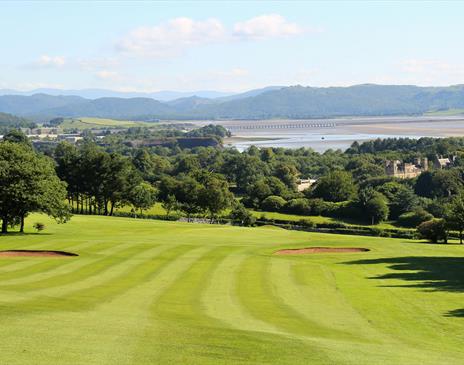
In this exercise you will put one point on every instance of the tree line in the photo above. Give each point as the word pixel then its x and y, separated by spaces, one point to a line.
pixel 98 178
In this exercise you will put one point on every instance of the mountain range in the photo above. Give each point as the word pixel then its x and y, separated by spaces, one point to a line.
pixel 271 102
pixel 164 95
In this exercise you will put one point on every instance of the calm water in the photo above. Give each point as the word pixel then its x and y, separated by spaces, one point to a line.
pixel 337 133
pixel 318 142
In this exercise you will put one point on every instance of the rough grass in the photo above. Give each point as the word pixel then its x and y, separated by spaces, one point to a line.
pixel 150 292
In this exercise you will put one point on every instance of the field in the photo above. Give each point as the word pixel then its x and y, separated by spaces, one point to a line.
pixel 97 123
pixel 151 292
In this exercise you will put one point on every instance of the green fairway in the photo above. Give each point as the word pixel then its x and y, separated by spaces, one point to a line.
pixel 152 292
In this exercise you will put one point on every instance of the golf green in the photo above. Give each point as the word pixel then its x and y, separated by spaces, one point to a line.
pixel 152 292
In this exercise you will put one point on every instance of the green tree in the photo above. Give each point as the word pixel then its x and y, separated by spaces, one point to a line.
pixel 187 193
pixel 373 204
pixel 401 198
pixel 143 197
pixel 28 183
pixel 242 216
pixel 454 215
pixel 433 230
pixel 170 204
pixel 273 203
pixel 336 186
pixel 377 209
pixel 215 196
pixel 17 136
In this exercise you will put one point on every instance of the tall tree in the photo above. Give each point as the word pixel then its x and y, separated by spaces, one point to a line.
pixel 215 196
pixel 454 215
pixel 28 183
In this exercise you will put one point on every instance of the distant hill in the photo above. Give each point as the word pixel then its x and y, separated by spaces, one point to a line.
pixel 35 104
pixel 8 121
pixel 165 95
pixel 116 108
pixel 273 102
pixel 254 92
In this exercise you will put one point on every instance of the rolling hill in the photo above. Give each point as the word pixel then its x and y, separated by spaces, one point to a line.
pixel 272 102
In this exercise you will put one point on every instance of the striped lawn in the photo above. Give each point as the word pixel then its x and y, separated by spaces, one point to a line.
pixel 151 292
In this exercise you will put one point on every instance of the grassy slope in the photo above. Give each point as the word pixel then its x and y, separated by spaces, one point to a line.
pixel 158 209
pixel 149 292
pixel 88 123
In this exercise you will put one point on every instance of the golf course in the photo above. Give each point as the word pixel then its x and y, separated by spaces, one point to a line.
pixel 154 292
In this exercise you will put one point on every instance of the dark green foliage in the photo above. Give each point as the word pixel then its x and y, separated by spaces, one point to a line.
pixel 28 183
pixel 439 184
pixel 16 136
pixel 242 216
pixel 215 196
pixel 413 219
pixel 377 209
pixel 297 206
pixel 97 181
pixel 455 215
pixel 273 203
pixel 210 130
pixel 401 198
pixel 433 230
pixel 336 186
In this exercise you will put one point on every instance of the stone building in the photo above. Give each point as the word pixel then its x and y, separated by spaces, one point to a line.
pixel 304 184
pixel 440 162
pixel 406 170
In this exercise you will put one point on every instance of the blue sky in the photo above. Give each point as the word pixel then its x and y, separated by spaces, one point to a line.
pixel 229 46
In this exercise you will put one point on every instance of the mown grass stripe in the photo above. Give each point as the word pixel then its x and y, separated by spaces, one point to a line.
pixel 86 268
pixel 47 267
pixel 20 266
pixel 78 295
pixel 220 298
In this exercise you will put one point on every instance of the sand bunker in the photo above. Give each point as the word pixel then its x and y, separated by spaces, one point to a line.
pixel 301 251
pixel 35 253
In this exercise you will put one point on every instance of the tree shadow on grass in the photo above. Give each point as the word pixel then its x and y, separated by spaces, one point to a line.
pixel 12 234
pixel 428 273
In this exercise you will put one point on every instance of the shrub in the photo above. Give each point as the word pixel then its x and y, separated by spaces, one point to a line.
pixel 377 209
pixel 297 206
pixel 273 203
pixel 242 216
pixel 307 223
pixel 320 207
pixel 413 219
pixel 433 230
pixel 39 226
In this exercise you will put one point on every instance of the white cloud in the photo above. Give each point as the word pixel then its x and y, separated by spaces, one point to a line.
pixel 171 37
pixel 267 26
pixel 47 61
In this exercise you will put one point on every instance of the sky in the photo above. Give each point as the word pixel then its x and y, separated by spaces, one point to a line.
pixel 228 46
